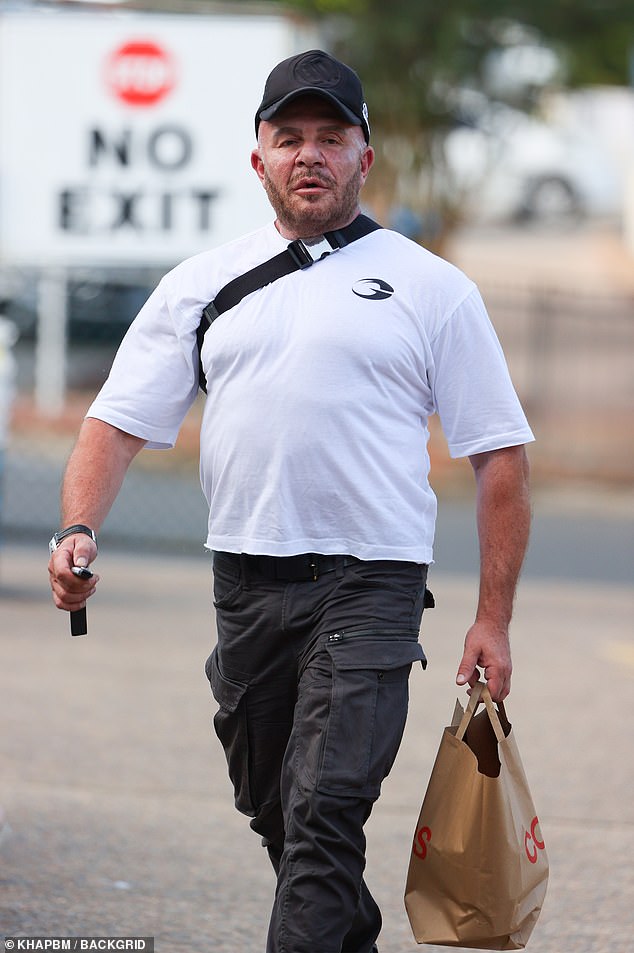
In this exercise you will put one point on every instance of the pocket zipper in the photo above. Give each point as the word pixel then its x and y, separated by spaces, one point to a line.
pixel 342 634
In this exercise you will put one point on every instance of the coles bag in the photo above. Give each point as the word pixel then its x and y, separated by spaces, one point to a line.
pixel 478 868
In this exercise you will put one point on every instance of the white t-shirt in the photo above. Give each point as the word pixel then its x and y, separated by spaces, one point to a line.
pixel 320 386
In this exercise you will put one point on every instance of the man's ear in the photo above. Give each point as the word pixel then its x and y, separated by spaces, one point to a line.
pixel 367 161
pixel 257 164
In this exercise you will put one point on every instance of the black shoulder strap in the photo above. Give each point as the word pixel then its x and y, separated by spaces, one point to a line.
pixel 295 257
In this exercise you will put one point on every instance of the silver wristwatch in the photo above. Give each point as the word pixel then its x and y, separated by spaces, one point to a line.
pixel 70 531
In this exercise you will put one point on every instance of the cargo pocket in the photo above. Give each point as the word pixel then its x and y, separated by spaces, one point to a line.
pixel 230 723
pixel 368 709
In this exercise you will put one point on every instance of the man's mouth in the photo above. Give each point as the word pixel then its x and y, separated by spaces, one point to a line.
pixel 310 185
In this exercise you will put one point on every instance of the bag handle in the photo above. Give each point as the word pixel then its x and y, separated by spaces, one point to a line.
pixel 480 692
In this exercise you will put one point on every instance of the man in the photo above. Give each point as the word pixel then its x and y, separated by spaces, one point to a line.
pixel 314 464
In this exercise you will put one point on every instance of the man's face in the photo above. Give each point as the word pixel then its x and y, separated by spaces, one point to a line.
pixel 312 164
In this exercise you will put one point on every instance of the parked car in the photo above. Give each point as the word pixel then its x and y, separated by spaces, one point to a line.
pixel 502 163
pixel 100 305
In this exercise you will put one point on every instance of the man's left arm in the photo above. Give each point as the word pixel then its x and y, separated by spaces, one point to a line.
pixel 503 518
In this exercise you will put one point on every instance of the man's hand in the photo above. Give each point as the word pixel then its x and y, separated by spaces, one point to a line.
pixel 487 648
pixel 70 592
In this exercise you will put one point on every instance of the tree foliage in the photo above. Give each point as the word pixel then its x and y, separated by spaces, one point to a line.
pixel 413 55
pixel 406 49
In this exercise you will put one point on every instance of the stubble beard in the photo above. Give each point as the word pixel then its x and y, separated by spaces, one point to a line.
pixel 304 218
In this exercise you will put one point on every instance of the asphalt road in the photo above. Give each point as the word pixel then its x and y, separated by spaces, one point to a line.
pixel 119 814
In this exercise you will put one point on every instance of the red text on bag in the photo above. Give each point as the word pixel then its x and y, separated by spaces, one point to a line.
pixel 532 843
pixel 423 836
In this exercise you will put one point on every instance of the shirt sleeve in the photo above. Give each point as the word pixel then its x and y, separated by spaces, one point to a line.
pixel 473 393
pixel 154 376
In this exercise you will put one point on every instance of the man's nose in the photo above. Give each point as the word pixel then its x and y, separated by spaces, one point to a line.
pixel 310 154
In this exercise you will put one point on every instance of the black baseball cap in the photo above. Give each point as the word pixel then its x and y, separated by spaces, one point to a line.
pixel 315 73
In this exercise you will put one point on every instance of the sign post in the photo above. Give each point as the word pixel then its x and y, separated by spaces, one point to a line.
pixel 50 348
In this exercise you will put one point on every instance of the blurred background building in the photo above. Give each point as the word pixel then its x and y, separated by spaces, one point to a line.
pixel 505 141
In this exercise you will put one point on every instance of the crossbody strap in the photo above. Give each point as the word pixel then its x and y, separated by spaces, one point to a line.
pixel 295 257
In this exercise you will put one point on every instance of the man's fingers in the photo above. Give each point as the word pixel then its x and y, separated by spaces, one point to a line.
pixel 83 551
pixel 499 688
pixel 70 592
pixel 70 601
pixel 467 670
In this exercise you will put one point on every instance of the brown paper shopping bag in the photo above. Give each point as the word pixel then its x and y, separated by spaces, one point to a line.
pixel 478 869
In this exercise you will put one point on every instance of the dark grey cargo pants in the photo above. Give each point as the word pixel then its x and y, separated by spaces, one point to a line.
pixel 311 680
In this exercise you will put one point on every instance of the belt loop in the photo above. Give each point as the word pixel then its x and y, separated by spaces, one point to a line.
pixel 339 567
pixel 244 569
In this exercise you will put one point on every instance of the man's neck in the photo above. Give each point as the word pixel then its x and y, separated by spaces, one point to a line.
pixel 311 238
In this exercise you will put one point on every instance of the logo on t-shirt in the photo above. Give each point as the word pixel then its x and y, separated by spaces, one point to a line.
pixel 374 289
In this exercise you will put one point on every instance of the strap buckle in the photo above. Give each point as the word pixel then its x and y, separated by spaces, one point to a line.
pixel 211 313
pixel 306 255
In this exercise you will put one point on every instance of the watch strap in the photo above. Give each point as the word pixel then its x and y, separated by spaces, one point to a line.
pixel 71 531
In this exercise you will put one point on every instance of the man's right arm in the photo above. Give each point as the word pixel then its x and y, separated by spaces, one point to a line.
pixel 93 477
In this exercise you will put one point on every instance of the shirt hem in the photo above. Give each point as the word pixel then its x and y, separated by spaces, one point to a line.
pixel 363 551
pixel 490 443
pixel 155 440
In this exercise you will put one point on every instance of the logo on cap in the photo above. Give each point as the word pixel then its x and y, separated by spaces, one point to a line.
pixel 315 70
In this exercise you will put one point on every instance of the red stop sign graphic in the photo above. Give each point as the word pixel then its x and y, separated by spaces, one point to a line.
pixel 140 73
